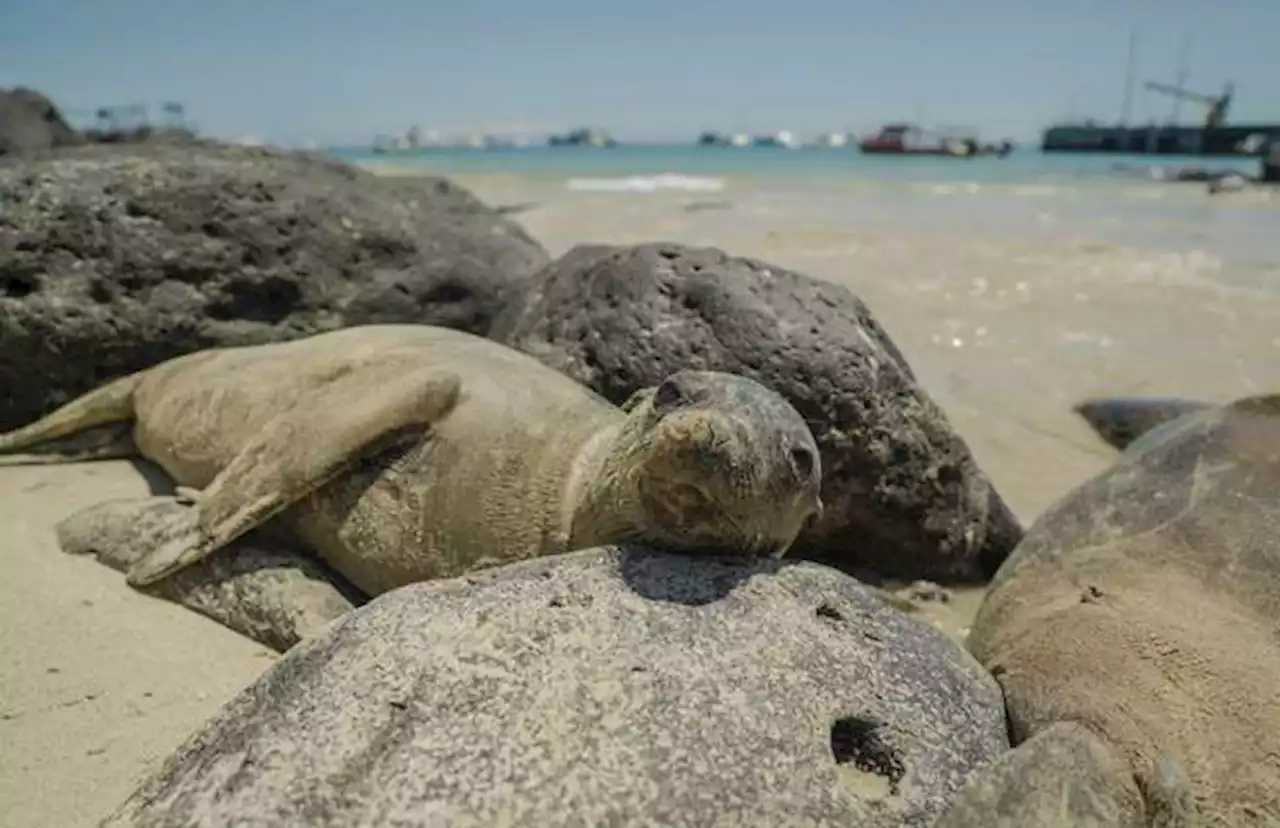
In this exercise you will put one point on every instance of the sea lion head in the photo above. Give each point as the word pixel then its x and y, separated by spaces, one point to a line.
pixel 719 463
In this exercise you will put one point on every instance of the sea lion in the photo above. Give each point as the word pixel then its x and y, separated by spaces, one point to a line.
pixel 401 453
pixel 1145 607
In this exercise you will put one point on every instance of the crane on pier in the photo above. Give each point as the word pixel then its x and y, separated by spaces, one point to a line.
pixel 1217 104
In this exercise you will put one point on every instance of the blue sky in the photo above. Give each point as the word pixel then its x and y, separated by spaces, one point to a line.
pixel 339 72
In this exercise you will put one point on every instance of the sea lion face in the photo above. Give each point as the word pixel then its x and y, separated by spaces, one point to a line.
pixel 721 463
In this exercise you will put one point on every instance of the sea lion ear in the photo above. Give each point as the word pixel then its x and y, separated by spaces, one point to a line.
pixel 636 399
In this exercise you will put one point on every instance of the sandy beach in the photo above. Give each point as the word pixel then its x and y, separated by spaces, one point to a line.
pixel 98 682
pixel 1004 329
pixel 1005 332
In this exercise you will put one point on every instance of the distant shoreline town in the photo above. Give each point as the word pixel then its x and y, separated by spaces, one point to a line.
pixel 898 138
pixel 30 121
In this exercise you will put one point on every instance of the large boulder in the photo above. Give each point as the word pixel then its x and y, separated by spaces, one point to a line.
pixel 604 687
pixel 904 496
pixel 29 121
pixel 113 258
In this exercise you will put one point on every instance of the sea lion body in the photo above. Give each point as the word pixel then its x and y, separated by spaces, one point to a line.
pixel 489 481
pixel 1145 606
pixel 401 453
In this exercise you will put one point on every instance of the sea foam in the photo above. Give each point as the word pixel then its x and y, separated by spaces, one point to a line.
pixel 647 183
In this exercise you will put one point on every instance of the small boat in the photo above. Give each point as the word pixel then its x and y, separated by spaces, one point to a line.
pixel 583 137
pixel 784 139
pixel 832 140
pixel 909 139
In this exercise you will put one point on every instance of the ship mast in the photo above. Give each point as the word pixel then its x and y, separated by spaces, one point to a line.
pixel 1184 67
pixel 1130 73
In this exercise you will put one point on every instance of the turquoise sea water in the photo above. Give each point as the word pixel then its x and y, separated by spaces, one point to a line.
pixel 1027 196
pixel 1022 166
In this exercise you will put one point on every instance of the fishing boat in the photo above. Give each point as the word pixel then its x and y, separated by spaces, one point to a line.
pixel 909 139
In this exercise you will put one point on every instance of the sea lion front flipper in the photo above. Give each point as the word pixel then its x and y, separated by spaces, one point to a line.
pixel 300 450
pixel 258 587
pixel 1062 776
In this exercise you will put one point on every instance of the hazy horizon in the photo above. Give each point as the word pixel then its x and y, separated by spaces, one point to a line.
pixel 339 74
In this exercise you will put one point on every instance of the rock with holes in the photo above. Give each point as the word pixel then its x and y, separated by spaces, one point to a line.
pixel 114 258
pixel 29 121
pixel 904 496
pixel 611 686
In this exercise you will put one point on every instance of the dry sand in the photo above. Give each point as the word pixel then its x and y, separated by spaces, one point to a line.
pixel 98 683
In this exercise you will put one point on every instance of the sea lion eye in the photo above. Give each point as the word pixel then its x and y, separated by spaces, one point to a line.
pixel 802 460
pixel 669 393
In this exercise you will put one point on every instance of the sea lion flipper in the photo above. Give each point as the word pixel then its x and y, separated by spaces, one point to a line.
pixel 300 450
pixel 259 587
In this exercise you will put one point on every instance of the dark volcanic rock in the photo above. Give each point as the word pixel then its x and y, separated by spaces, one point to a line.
pixel 29 121
pixel 604 687
pixel 903 494
pixel 113 258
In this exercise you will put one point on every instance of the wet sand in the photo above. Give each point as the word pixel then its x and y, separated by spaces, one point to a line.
pixel 1005 334
pixel 99 682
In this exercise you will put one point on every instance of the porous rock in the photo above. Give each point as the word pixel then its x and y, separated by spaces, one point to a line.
pixel 904 496
pixel 610 686
pixel 115 258
pixel 30 122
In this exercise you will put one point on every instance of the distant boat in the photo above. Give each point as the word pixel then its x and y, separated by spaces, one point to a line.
pixel 711 138
pixel 385 143
pixel 833 140
pixel 583 137
pixel 783 138
pixel 1212 136
pixel 909 139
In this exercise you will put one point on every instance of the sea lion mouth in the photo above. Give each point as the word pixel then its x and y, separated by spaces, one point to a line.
pixel 683 515
pixel 685 511
pixel 670 542
pixel 680 502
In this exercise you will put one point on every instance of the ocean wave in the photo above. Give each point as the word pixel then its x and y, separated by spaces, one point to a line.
pixel 947 188
pixel 648 184
pixel 1035 190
